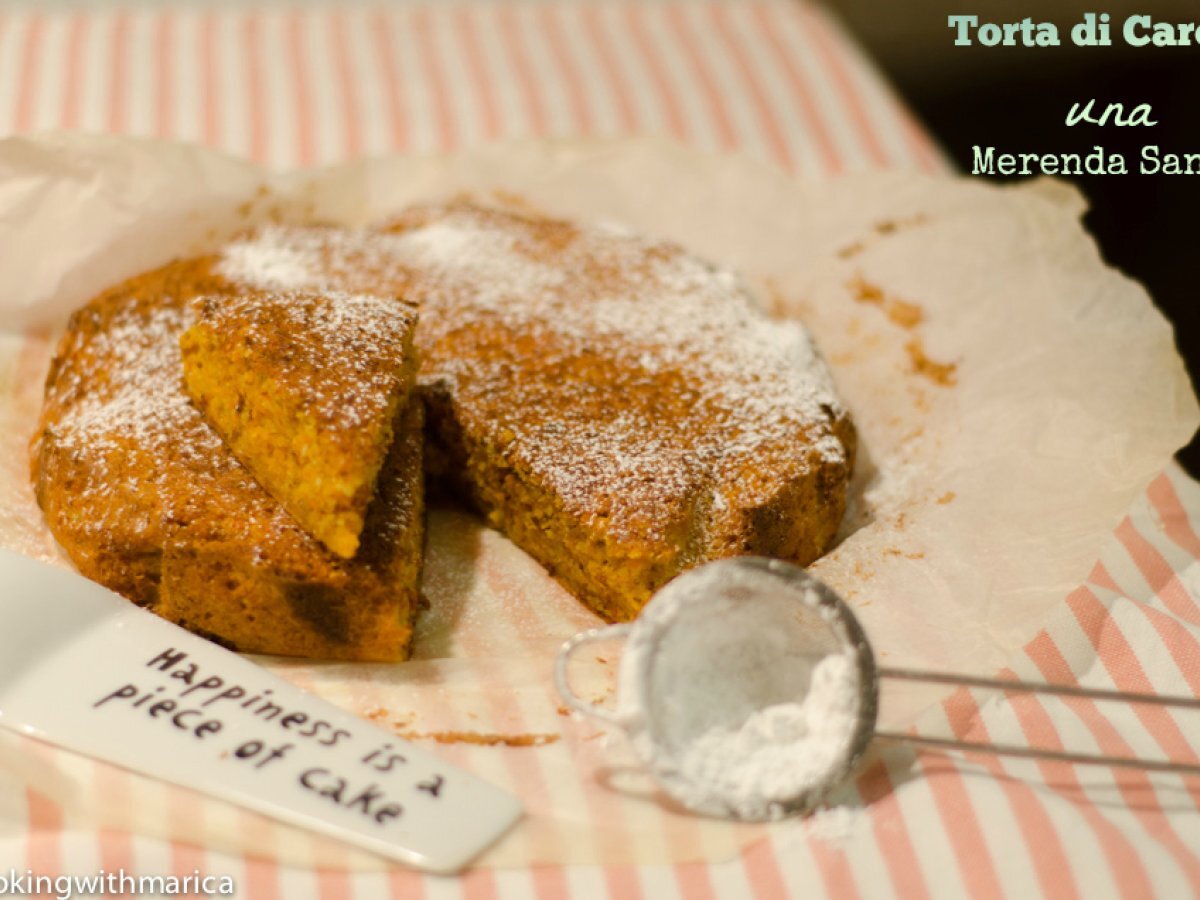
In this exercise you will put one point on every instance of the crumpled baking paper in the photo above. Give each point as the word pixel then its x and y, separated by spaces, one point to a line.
pixel 1012 393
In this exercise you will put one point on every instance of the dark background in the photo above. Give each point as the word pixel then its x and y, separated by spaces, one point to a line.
pixel 1017 99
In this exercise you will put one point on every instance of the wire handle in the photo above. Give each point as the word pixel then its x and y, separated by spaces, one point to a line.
pixel 563 683
pixel 1040 687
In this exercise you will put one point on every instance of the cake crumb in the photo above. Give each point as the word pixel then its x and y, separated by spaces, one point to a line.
pixel 904 314
pixel 944 374
pixel 907 554
pixel 892 226
pixel 865 292
pixel 899 312
pixel 479 738
pixel 836 824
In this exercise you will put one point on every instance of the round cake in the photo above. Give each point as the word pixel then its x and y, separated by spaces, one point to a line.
pixel 617 407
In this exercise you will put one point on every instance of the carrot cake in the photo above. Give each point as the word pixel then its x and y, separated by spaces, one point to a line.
pixel 619 408
pixel 311 422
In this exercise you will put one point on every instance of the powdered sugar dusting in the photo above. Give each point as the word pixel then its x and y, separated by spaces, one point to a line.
pixel 135 402
pixel 340 355
pixel 276 263
pixel 351 320
pixel 479 261
pixel 837 824
pixel 781 752
pixel 119 404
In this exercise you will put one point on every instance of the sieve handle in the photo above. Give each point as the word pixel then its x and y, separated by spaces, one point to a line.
pixel 564 659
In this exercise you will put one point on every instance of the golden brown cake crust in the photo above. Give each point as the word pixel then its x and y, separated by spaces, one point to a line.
pixel 146 498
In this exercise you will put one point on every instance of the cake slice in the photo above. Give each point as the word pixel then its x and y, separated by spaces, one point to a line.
pixel 304 388
pixel 275 590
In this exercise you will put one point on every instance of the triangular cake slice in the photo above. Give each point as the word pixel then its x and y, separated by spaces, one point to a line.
pixel 304 388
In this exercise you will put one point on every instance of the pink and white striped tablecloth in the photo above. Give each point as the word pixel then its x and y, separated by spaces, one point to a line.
pixel 778 80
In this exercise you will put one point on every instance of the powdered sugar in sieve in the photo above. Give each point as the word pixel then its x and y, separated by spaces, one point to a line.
pixel 746 686
pixel 750 691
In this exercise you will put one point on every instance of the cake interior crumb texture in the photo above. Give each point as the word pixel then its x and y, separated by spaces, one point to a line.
pixel 304 388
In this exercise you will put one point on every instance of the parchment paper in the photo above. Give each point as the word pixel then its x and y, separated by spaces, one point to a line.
pixel 1012 393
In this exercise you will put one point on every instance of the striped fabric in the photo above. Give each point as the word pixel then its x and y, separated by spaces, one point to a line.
pixel 305 86
pixel 911 826
pixel 775 80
